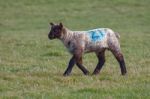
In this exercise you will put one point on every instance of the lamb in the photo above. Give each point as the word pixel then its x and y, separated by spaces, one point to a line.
pixel 80 42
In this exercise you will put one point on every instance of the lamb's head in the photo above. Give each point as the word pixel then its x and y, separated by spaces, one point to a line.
pixel 56 31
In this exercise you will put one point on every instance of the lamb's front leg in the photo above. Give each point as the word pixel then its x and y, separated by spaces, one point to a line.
pixel 78 58
pixel 79 64
pixel 70 66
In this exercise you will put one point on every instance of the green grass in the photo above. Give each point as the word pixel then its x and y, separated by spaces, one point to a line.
pixel 31 66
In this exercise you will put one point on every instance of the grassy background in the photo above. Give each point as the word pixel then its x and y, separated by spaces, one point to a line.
pixel 31 66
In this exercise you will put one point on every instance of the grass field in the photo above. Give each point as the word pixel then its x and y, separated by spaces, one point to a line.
pixel 31 66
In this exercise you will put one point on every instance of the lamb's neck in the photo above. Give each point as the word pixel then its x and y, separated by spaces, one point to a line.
pixel 66 35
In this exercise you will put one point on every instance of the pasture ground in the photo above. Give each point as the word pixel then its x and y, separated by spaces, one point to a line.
pixel 31 66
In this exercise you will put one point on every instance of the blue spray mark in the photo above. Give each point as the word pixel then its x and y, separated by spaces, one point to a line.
pixel 96 34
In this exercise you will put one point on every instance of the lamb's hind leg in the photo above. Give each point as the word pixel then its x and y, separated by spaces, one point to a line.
pixel 119 56
pixel 101 61
pixel 114 47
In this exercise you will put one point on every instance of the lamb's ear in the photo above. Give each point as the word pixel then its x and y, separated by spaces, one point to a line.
pixel 61 25
pixel 51 23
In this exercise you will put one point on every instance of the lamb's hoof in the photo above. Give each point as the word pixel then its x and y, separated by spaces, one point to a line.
pixel 87 73
pixel 124 73
pixel 66 74
pixel 96 72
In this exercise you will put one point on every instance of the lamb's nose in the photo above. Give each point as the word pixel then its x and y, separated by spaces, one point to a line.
pixel 50 36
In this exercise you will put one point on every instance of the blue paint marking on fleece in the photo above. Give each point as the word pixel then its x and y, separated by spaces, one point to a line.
pixel 96 34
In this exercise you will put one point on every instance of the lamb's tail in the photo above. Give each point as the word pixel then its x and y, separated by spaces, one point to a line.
pixel 117 35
